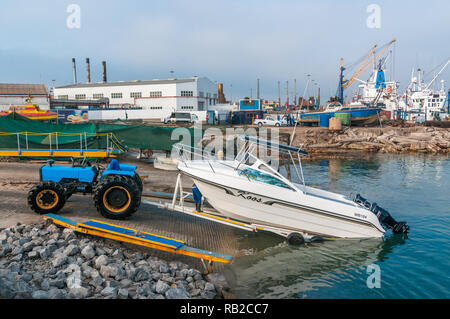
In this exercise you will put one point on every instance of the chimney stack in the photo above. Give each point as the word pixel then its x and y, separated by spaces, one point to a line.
pixel 88 70
pixel 104 72
pixel 74 69
pixel 221 96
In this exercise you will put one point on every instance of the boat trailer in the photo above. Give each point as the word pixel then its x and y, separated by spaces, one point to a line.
pixel 133 236
pixel 179 197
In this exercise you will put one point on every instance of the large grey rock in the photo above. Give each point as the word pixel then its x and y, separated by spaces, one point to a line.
pixel 88 252
pixel 209 286
pixel 59 261
pixel 6 288
pixel 44 253
pixel 28 246
pixel 55 293
pixel 161 287
pixel 122 293
pixel 40 294
pixel 140 275
pixel 102 260
pixel 177 293
pixel 163 268
pixel 33 255
pixel 125 283
pixel 79 292
pixel 17 250
pixel 109 291
pixel 69 234
pixel 45 284
pixel 58 283
pixel 17 257
pixel 53 228
pixel 71 250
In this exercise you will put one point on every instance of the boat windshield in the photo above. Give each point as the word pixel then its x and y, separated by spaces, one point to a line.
pixel 253 174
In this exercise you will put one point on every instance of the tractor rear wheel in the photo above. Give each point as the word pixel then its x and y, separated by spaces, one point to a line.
pixel 139 183
pixel 117 197
pixel 46 198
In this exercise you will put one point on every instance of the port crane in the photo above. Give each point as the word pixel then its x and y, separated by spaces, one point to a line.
pixel 344 83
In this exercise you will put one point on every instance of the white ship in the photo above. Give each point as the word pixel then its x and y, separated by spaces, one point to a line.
pixel 376 91
pixel 422 100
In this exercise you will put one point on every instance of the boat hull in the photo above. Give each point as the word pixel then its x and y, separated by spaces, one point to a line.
pixel 357 117
pixel 261 210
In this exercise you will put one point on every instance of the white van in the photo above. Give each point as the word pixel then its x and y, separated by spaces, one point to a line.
pixel 181 117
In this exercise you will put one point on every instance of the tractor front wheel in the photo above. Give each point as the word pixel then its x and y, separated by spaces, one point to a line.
pixel 117 197
pixel 46 198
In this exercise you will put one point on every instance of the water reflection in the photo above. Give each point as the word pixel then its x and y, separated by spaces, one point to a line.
pixel 411 188
pixel 283 271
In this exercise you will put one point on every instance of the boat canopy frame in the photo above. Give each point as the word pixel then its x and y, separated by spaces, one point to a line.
pixel 246 152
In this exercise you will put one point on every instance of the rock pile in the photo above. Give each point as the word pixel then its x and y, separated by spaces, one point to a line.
pixel 394 140
pixel 43 261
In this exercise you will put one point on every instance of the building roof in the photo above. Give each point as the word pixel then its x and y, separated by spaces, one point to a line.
pixel 23 89
pixel 126 83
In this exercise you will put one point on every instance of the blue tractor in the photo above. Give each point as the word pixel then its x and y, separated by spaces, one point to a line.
pixel 117 193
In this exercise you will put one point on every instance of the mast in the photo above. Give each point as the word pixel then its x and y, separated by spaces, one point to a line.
pixel 341 82
pixel 437 74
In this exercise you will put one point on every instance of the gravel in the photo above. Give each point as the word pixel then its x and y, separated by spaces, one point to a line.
pixel 44 261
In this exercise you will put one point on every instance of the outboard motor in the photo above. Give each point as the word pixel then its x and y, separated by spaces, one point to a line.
pixel 383 216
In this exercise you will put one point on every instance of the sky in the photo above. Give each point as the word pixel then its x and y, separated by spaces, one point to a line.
pixel 233 42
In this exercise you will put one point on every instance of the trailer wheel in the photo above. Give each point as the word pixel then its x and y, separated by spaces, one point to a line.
pixel 117 197
pixel 295 239
pixel 46 198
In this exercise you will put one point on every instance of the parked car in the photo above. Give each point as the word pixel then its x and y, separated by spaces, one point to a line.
pixel 181 117
pixel 270 122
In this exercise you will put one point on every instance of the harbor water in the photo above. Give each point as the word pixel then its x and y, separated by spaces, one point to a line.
pixel 415 189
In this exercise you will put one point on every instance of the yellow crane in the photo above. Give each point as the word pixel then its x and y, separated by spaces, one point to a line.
pixel 344 83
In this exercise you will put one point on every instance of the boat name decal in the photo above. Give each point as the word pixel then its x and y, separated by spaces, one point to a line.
pixel 246 195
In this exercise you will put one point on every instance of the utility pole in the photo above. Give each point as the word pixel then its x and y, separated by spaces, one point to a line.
pixel 257 90
pixel 295 92
pixel 279 95
pixel 287 93
pixel 231 93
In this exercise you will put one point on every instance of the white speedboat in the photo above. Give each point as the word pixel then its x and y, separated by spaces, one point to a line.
pixel 258 194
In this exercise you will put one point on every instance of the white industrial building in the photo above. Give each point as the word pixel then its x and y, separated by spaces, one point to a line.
pixel 157 97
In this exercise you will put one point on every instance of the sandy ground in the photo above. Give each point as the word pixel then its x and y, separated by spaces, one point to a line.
pixel 17 178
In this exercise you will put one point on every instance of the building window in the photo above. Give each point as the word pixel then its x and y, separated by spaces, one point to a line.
pixel 80 96
pixel 201 105
pixel 135 94
pixel 155 93
pixel 201 94
pixel 187 107
pixel 63 97
pixel 156 108
pixel 98 96
pixel 116 95
pixel 187 93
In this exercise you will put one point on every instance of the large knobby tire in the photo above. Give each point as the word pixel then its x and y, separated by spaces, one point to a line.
pixel 138 181
pixel 46 198
pixel 117 197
